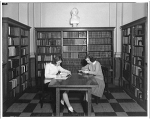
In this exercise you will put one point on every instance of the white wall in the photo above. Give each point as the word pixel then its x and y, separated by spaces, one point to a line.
pixel 91 15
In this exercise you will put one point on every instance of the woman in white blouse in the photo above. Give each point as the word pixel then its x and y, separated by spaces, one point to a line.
pixel 51 71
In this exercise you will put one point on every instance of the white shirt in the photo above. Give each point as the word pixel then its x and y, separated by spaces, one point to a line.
pixel 51 70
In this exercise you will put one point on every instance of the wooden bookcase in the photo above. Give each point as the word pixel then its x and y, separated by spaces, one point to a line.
pixel 16 53
pixel 134 77
pixel 73 44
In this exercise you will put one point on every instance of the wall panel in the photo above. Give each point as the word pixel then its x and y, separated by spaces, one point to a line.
pixel 31 24
pixel 23 13
pixel 91 14
pixel 11 10
pixel 127 12
pixel 37 14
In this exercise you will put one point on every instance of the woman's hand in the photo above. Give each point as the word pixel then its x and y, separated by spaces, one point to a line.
pixel 86 72
pixel 69 72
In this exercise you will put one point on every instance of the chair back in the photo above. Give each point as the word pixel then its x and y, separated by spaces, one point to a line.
pixel 43 77
pixel 105 71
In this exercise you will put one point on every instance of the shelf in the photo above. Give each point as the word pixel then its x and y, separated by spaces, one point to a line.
pixel 48 46
pixel 76 38
pixel 74 45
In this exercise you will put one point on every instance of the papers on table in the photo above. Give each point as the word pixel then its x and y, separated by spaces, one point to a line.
pixel 62 76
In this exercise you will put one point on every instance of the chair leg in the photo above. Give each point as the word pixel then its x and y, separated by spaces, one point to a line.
pixel 41 98
pixel 96 100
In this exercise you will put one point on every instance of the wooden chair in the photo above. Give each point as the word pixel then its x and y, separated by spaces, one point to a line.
pixel 45 92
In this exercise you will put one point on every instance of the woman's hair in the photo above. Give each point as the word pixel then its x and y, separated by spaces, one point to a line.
pixel 83 62
pixel 92 59
pixel 57 58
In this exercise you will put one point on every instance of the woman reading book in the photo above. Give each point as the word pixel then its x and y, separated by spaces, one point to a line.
pixel 51 71
pixel 94 67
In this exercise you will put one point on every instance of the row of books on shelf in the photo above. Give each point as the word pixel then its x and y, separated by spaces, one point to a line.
pixel 39 72
pixel 138 71
pixel 126 40
pixel 13 73
pixel 105 61
pixel 24 51
pixel 24 60
pixel 14 92
pixel 138 41
pixel 49 50
pixel 24 78
pixel 126 48
pixel 138 93
pixel 13 51
pixel 24 41
pixel 13 63
pixel 99 34
pixel 74 34
pixel 45 57
pixel 136 81
pixel 138 61
pixel 74 55
pixel 100 40
pixel 72 62
pixel 126 31
pixel 126 74
pixel 24 68
pixel 24 86
pixel 100 48
pixel 138 29
pixel 14 31
pixel 134 90
pixel 100 54
pixel 126 56
pixel 41 65
pixel 49 35
pixel 74 48
pixel 13 83
pixel 47 42
pixel 13 41
pixel 17 41
pixel 74 41
pixel 138 51
pixel 126 66
pixel 24 32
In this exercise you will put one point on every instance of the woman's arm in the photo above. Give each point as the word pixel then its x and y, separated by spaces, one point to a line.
pixel 64 70
pixel 97 70
pixel 86 67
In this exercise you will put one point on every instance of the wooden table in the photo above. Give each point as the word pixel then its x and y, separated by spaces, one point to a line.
pixel 76 82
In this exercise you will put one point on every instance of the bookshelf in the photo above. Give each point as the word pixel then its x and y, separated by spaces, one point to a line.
pixel 73 44
pixel 16 53
pixel 101 47
pixel 74 49
pixel 134 79
pixel 48 45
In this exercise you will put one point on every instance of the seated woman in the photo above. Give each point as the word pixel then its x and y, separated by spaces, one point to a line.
pixel 51 71
pixel 94 67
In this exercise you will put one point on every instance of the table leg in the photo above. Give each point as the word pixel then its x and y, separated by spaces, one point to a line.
pixel 57 102
pixel 89 101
